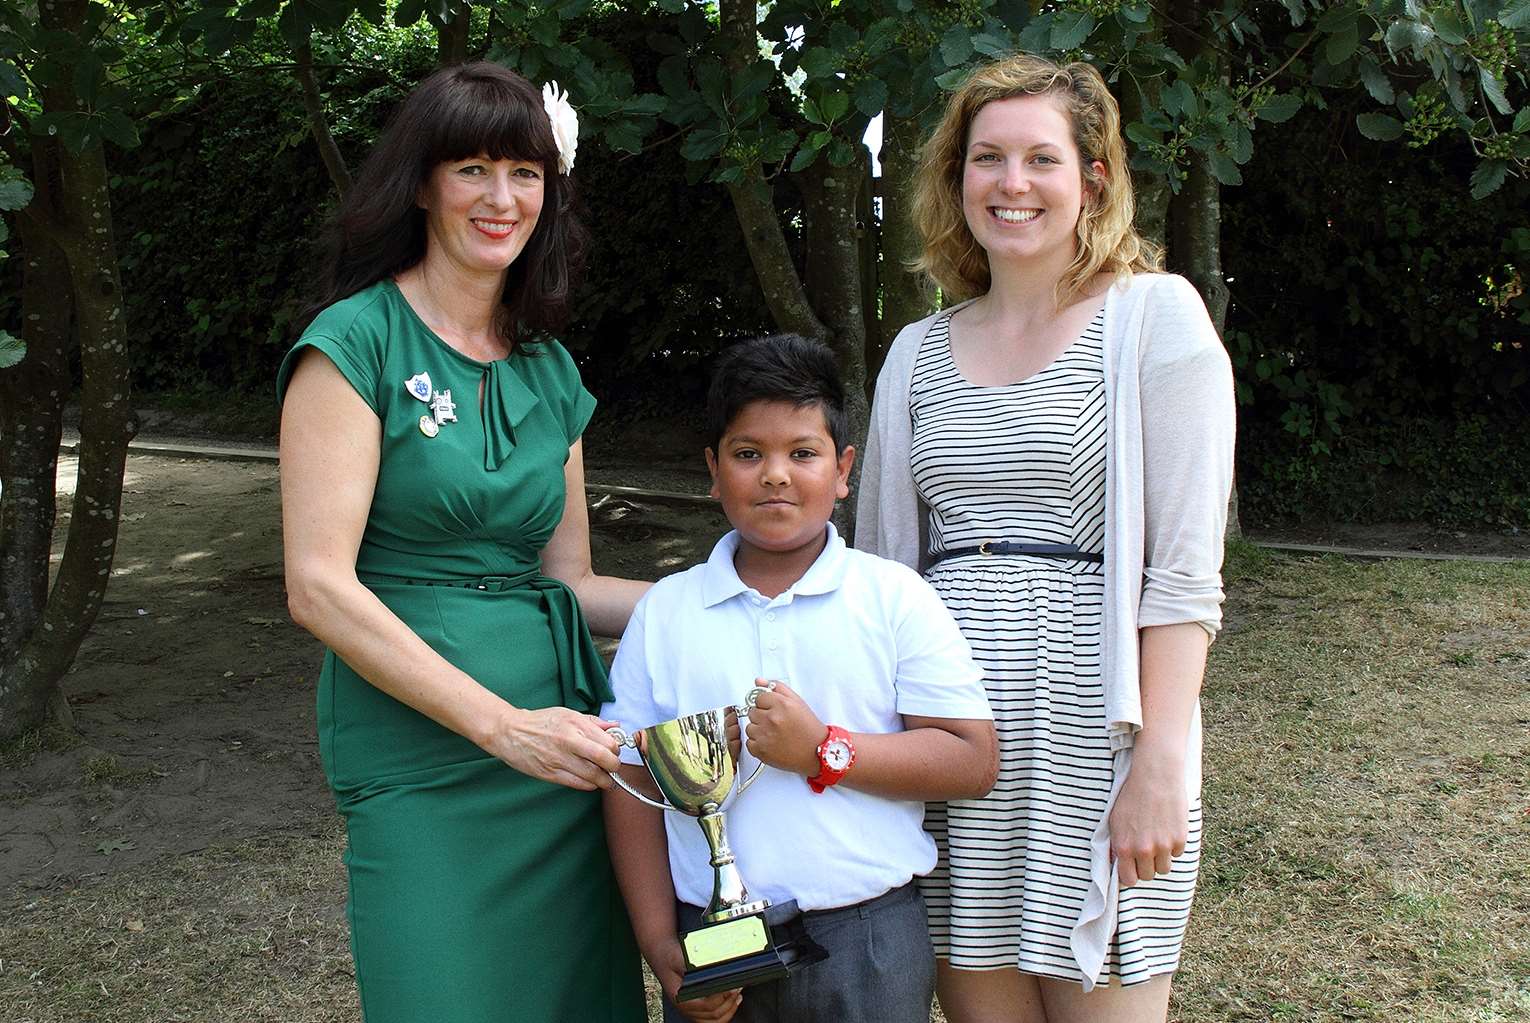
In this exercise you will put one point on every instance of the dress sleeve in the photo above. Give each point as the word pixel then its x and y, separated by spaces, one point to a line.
pixel 357 353
pixel 1188 429
pixel 574 404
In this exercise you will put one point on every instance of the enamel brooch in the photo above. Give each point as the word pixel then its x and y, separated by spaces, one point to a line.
pixel 442 408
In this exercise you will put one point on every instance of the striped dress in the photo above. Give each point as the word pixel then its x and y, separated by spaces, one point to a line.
pixel 1026 461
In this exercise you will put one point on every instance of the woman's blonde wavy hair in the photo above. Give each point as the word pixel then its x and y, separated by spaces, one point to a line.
pixel 1107 241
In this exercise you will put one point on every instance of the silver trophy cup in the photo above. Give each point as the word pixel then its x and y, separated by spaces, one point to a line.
pixel 689 761
pixel 742 940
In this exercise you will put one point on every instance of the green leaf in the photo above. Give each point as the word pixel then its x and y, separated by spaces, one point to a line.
pixel 119 129
pixel 1142 134
pixel 703 144
pixel 819 62
pixel 1449 26
pixel 871 96
pixel 1179 98
pixel 1136 13
pixel 1406 34
pixel 1342 44
pixel 1488 176
pixel 956 45
pixel 15 190
pixel 991 44
pixel 1224 169
pixel 805 157
pixel 754 79
pixel 953 79
pixel 1381 127
pixel 1376 81
pixel 1515 14
pixel 1492 88
pixel 880 37
pixel 674 77
pixel 625 136
pixel 710 80
pixel 842 152
pixel 672 6
pixel 12 349
pixel 834 106
pixel 1280 108
pixel 1071 29
pixel 1522 120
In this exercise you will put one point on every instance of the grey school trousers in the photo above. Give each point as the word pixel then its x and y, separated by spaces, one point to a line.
pixel 881 967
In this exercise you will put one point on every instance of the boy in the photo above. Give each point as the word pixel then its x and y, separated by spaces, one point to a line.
pixel 878 706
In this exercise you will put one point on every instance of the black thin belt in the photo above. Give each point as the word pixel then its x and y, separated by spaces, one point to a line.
pixel 1060 551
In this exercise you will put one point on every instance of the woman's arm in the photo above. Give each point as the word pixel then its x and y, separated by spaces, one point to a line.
pixel 330 450
pixel 1149 823
pixel 1188 427
pixel 607 601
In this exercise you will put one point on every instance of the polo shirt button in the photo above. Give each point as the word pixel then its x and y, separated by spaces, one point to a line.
pixel 772 646
pixel 770 617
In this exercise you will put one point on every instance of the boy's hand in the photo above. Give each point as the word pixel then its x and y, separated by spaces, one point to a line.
pixel 668 965
pixel 784 732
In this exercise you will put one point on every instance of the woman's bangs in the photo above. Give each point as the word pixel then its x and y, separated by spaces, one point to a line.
pixel 493 121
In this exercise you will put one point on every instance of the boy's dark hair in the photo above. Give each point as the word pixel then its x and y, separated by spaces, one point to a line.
pixel 782 367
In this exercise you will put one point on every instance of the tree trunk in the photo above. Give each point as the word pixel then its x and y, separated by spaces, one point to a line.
pixel 318 123
pixel 452 39
pixel 29 681
pixel 32 397
pixel 754 205
pixel 1152 191
pixel 905 298
pixel 833 278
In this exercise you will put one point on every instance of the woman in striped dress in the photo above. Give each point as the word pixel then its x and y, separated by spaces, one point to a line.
pixel 1056 453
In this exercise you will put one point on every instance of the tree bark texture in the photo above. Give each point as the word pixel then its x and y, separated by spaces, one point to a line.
pixel 318 122
pixel 29 682
pixel 1151 191
pixel 833 243
pixel 1195 243
pixel 905 297
pixel 32 397
pixel 452 39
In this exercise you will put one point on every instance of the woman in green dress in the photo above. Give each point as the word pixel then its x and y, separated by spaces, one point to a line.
pixel 437 543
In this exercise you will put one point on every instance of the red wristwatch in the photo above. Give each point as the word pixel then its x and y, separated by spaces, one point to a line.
pixel 836 755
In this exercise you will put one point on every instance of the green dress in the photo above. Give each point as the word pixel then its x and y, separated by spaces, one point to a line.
pixel 477 894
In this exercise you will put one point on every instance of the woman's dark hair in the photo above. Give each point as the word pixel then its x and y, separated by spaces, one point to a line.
pixel 457 113
pixel 782 367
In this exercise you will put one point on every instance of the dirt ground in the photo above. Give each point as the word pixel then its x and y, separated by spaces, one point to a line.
pixel 193 695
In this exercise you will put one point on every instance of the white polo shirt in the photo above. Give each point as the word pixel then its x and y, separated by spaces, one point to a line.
pixel 863 640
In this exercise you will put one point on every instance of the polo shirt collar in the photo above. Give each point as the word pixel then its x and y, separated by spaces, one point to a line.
pixel 720 581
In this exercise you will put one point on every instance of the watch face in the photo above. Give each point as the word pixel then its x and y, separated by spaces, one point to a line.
pixel 836 755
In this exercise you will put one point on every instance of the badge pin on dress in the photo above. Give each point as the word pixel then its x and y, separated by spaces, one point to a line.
pixel 418 386
pixel 442 408
pixel 428 426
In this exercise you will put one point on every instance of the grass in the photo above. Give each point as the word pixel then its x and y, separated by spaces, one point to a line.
pixel 1367 764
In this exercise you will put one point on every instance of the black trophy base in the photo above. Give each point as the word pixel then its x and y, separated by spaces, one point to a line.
pixel 784 946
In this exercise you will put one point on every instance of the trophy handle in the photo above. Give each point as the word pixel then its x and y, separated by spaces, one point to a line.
pixel 630 741
pixel 743 711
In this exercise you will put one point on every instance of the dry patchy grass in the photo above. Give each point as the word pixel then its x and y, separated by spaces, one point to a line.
pixel 1367 764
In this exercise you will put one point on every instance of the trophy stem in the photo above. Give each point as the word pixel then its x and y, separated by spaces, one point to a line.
pixel 730 898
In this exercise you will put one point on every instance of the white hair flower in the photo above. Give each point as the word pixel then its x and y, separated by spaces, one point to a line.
pixel 565 124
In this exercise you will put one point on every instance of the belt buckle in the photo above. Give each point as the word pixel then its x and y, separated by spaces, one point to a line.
pixel 983 548
pixel 493 583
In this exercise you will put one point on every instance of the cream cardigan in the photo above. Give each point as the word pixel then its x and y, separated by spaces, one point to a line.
pixel 1168 474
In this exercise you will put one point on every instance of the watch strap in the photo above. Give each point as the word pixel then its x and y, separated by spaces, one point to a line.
pixel 827 775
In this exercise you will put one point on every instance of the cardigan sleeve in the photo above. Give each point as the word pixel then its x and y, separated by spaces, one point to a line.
pixel 887 507
pixel 1188 430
